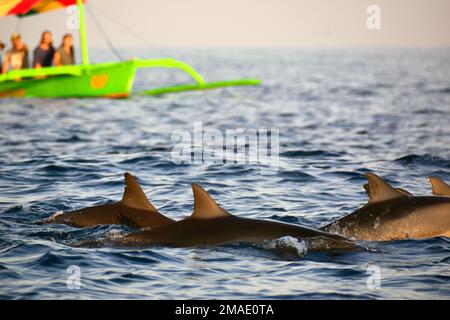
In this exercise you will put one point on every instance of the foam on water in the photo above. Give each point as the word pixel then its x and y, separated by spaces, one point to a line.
pixel 286 246
pixel 56 214
pixel 115 234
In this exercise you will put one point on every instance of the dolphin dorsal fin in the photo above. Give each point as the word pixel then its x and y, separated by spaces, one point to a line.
pixel 134 196
pixel 405 192
pixel 439 187
pixel 204 206
pixel 379 190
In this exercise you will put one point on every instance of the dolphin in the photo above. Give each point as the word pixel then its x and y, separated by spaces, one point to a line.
pixel 134 210
pixel 439 187
pixel 210 225
pixel 391 214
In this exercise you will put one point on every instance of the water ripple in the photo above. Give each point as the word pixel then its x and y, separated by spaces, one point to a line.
pixel 337 120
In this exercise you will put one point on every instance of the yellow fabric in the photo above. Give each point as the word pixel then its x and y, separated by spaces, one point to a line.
pixel 7 5
pixel 47 5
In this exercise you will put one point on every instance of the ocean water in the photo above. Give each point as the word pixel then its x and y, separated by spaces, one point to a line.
pixel 339 112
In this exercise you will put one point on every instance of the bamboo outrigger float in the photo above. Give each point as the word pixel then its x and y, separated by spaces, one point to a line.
pixel 110 79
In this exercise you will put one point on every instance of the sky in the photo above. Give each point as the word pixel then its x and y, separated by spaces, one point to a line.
pixel 250 23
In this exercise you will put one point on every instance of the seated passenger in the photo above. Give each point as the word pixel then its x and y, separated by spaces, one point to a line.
pixel 2 46
pixel 64 55
pixel 43 54
pixel 17 57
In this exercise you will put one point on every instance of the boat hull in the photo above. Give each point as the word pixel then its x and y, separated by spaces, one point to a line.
pixel 112 80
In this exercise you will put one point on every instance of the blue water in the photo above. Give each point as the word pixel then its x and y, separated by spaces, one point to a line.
pixel 340 113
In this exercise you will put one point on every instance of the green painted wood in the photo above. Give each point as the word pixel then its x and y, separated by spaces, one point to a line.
pixel 204 86
pixel 111 79
pixel 100 80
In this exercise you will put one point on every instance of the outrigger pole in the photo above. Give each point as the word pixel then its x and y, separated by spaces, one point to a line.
pixel 83 38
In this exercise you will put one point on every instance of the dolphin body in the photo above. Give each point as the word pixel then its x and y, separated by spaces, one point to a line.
pixel 393 214
pixel 211 225
pixel 134 210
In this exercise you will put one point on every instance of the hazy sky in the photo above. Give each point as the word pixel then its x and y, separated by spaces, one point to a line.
pixel 251 23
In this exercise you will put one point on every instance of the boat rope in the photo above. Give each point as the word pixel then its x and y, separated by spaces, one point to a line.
pixel 105 36
pixel 18 24
pixel 123 26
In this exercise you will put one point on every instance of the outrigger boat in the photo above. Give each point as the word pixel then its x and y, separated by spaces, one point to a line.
pixel 110 79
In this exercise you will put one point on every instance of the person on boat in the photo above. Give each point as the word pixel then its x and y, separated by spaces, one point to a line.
pixel 17 57
pixel 2 46
pixel 44 52
pixel 65 55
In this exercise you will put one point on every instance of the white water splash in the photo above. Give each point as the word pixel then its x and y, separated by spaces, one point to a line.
pixel 114 234
pixel 286 245
pixel 53 216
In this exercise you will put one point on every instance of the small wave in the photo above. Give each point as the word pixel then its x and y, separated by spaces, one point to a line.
pixel 430 111
pixel 445 90
pixel 289 218
pixel 296 175
pixel 147 159
pixel 13 209
pixel 356 176
pixel 55 169
pixel 72 139
pixel 428 160
pixel 362 92
pixel 311 153
pixel 50 259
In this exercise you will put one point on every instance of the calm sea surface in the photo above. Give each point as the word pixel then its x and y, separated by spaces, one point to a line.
pixel 340 113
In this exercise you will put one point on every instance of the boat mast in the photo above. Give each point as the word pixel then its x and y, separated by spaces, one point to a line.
pixel 83 39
